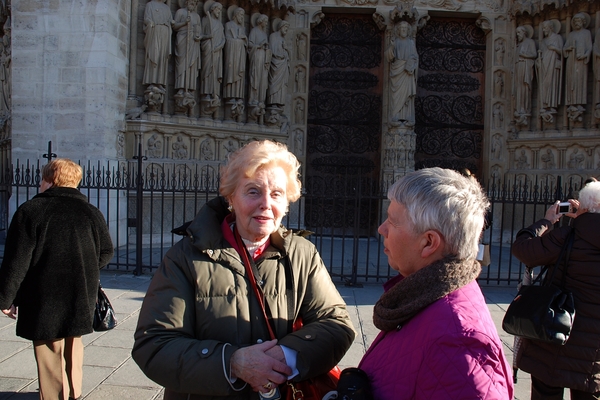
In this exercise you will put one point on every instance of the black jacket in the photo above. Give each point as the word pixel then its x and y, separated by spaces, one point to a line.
pixel 575 365
pixel 55 246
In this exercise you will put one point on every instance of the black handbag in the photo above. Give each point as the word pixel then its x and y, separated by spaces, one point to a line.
pixel 104 314
pixel 545 312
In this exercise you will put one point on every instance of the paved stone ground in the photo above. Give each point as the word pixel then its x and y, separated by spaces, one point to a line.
pixel 110 373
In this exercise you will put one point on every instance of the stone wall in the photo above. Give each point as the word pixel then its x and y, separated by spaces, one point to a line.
pixel 69 77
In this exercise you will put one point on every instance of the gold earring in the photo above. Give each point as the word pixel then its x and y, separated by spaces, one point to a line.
pixel 230 208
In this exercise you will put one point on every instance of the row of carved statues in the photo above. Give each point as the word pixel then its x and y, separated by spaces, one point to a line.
pixel 548 158
pixel 548 64
pixel 222 55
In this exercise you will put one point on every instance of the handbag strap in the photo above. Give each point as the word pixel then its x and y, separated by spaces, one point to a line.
pixel 564 252
pixel 252 279
pixel 570 240
pixel 289 287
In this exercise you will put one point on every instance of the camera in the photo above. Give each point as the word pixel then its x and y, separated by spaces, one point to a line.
pixel 564 207
pixel 272 395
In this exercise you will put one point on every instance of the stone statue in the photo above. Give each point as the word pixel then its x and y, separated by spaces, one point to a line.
pixel 213 41
pixel 549 69
pixel 180 151
pixel 499 84
pixel 404 62
pixel 236 44
pixel 499 49
pixel 157 26
pixel 577 50
pixel 154 96
pixel 301 47
pixel 135 112
pixel 576 159
pixel 187 46
pixel 299 142
pixel 596 52
pixel 229 148
pixel 300 79
pixel 206 152
pixel 299 111
pixel 497 147
pixel 498 116
pixel 120 144
pixel 154 146
pixel 522 161
pixel 526 54
pixel 279 73
pixel 260 62
pixel 548 159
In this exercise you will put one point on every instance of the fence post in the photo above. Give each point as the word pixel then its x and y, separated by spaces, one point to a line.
pixel 139 200
pixel 559 188
pixel 356 234
pixel 50 155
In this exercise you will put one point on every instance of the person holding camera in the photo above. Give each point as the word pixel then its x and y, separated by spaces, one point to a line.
pixel 576 365
pixel 437 339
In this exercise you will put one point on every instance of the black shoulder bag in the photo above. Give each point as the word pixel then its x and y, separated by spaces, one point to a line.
pixel 544 312
pixel 104 314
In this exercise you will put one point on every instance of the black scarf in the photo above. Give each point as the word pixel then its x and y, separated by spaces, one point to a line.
pixel 415 292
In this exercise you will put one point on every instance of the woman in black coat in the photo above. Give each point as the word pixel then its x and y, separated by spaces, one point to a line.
pixel 576 365
pixel 55 246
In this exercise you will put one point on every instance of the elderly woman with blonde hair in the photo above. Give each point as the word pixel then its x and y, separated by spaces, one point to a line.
pixel 202 331
pixel 576 365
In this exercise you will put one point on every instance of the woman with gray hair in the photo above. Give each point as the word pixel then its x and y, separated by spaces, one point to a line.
pixel 576 365
pixel 437 339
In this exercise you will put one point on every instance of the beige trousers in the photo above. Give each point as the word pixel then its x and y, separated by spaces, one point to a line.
pixel 60 367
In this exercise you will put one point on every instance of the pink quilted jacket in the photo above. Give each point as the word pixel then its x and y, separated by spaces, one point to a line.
pixel 449 350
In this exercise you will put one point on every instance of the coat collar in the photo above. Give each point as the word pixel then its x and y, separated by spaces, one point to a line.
pixel 61 192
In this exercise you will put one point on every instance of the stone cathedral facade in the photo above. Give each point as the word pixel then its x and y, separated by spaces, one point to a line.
pixel 376 88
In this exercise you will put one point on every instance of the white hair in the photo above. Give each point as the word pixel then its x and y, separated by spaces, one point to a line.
pixel 445 201
pixel 589 197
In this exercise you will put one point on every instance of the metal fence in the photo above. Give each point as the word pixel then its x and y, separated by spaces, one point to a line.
pixel 144 202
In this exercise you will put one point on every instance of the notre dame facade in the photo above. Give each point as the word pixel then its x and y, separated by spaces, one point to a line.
pixel 506 88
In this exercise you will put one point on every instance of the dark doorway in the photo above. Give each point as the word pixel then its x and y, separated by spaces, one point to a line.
pixel 344 125
pixel 450 93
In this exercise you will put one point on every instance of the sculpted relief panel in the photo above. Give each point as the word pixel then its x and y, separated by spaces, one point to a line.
pixel 245 64
pixel 555 91
pixel 233 67
pixel 552 70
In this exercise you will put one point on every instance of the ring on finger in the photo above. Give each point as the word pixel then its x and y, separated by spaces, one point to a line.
pixel 268 386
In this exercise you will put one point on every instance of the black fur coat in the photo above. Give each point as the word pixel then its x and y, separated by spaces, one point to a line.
pixel 55 246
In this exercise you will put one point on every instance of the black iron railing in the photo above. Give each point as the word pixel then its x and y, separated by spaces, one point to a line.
pixel 143 201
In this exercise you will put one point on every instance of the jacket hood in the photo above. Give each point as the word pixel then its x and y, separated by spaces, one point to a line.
pixel 209 219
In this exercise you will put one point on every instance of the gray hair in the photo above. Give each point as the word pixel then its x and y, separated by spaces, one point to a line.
pixel 589 197
pixel 445 201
